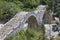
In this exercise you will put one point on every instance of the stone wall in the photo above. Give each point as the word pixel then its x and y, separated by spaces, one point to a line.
pixel 18 21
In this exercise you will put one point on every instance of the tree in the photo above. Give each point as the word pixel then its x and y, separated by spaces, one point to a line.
pixel 31 3
pixel 19 3
pixel 57 8
pixel 8 10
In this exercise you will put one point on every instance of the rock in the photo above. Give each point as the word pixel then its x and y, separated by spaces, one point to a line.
pixel 1 25
pixel 49 31
pixel 56 18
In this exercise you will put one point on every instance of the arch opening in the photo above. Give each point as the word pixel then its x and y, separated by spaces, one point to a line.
pixel 31 23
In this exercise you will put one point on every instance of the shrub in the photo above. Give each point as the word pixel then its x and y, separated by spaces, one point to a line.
pixel 18 3
pixel 20 35
pixel 8 10
pixel 31 3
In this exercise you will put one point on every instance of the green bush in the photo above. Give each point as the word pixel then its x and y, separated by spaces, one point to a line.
pixel 20 4
pixel 8 10
pixel 49 3
pixel 56 8
pixel 20 35
pixel 31 32
pixel 31 3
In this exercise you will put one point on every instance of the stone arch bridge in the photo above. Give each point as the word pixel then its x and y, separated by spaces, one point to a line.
pixel 17 22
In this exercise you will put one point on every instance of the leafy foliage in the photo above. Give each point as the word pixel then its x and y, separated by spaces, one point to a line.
pixel 30 34
pixel 49 3
pixel 8 10
pixel 54 5
pixel 57 8
pixel 31 3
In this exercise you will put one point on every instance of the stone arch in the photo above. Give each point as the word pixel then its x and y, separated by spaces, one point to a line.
pixel 17 22
pixel 32 20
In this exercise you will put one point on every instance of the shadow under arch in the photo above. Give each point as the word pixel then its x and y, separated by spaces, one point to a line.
pixel 31 22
